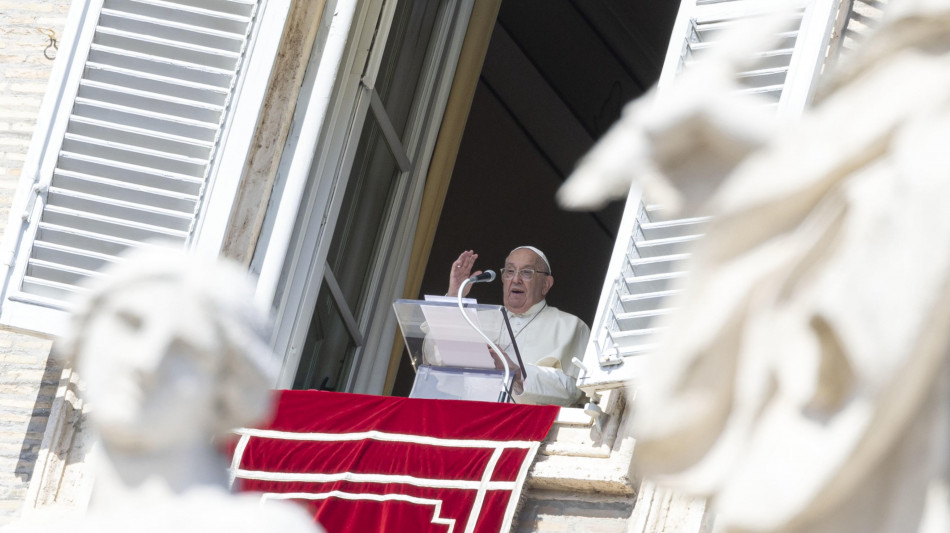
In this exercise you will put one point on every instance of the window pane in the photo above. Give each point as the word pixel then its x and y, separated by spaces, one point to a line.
pixel 328 349
pixel 365 204
pixel 405 58
pixel 325 362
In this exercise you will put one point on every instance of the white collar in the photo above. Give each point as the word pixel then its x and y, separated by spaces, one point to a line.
pixel 533 310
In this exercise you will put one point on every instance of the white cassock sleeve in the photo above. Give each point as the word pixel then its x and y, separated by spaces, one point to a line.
pixel 547 347
pixel 548 386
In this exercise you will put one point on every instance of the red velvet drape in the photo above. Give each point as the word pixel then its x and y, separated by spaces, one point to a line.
pixel 373 463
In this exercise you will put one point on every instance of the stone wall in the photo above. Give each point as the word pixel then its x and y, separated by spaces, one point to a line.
pixel 28 382
pixel 28 378
pixel 25 27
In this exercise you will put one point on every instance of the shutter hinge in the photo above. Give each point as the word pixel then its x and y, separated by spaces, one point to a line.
pixel 35 193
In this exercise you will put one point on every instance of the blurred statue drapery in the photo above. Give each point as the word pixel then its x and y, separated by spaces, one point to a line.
pixel 803 383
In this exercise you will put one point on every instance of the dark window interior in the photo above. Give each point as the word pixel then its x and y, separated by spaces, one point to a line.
pixel 556 76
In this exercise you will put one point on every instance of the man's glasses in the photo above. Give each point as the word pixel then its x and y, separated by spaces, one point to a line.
pixel 525 273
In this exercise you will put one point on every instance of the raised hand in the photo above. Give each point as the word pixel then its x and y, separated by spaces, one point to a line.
pixel 462 270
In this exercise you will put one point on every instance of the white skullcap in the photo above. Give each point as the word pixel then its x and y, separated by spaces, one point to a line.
pixel 535 250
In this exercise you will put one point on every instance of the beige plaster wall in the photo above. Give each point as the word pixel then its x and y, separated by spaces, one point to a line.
pixel 28 379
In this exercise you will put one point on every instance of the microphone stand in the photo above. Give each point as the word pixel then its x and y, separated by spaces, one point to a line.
pixel 505 395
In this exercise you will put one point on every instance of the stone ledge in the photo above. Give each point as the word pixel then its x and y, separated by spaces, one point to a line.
pixel 549 511
pixel 582 474
pixel 584 454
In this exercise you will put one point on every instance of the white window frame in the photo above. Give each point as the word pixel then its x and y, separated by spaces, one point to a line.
pixel 291 255
pixel 228 167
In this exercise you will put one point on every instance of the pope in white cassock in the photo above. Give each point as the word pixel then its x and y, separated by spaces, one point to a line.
pixel 547 338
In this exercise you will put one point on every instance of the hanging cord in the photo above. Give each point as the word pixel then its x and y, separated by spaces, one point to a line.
pixel 524 327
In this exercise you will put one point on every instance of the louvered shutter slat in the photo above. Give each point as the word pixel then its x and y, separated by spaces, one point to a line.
pixel 42 290
pixel 222 59
pixel 216 32
pixel 109 208
pixel 59 274
pixel 633 303
pixel 124 192
pixel 137 137
pixel 64 255
pixel 106 75
pixel 236 8
pixel 122 153
pixel 663 247
pixel 157 103
pixel 70 237
pixel 105 226
pixel 168 68
pixel 645 284
pixel 130 174
pixel 181 127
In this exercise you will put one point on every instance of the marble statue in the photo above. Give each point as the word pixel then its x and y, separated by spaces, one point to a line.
pixel 173 354
pixel 803 384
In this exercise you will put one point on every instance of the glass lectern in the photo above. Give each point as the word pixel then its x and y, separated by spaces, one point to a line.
pixel 451 359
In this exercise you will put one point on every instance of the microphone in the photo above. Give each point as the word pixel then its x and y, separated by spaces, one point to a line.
pixel 484 277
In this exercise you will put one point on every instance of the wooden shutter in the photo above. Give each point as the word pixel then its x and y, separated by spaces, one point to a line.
pixel 125 153
pixel 650 254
